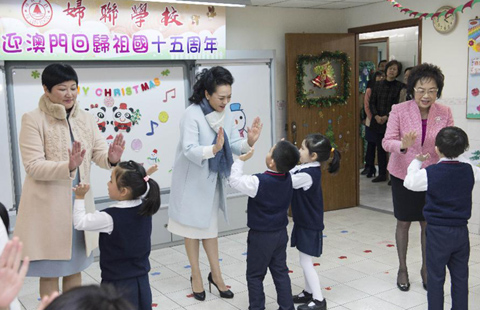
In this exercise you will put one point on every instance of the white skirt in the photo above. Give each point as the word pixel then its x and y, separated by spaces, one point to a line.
pixel 198 233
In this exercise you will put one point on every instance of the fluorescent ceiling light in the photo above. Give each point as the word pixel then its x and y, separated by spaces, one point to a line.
pixel 231 3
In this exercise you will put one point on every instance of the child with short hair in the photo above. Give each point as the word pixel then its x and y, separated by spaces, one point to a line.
pixel 449 185
pixel 125 228
pixel 307 212
pixel 270 194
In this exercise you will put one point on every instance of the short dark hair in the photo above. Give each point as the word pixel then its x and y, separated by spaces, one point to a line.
pixel 451 141
pixel 57 73
pixel 208 80
pixel 373 79
pixel 394 63
pixel 91 297
pixel 384 60
pixel 406 69
pixel 425 72
pixel 285 155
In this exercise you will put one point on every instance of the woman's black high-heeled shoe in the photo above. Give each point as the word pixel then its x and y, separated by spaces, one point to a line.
pixel 198 296
pixel 404 287
pixel 372 172
pixel 380 178
pixel 223 294
pixel 365 171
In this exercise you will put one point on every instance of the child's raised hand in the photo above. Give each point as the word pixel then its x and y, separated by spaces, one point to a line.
pixel 152 169
pixel 422 157
pixel 81 190
pixel 246 156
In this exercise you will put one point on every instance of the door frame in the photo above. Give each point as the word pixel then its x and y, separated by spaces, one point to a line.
pixel 372 28
pixel 378 40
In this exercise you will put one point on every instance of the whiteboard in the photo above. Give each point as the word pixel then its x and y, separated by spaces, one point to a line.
pixel 155 94
pixel 251 97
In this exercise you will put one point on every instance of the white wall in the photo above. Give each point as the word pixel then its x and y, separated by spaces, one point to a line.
pixel 256 28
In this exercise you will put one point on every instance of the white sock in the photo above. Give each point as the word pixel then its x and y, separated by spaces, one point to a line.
pixel 312 282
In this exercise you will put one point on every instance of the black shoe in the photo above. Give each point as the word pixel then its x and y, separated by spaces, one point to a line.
pixel 424 279
pixel 302 298
pixel 404 287
pixel 223 294
pixel 365 171
pixel 314 305
pixel 380 178
pixel 198 296
pixel 389 183
pixel 372 172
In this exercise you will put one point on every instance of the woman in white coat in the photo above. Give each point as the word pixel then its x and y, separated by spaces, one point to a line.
pixel 203 159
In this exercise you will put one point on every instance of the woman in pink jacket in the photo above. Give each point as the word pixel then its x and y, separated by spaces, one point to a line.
pixel 411 130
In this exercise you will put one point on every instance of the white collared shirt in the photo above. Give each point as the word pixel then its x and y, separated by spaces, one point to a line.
pixel 98 221
pixel 246 184
pixel 303 179
pixel 416 179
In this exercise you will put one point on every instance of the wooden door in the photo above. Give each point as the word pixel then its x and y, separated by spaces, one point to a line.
pixel 341 190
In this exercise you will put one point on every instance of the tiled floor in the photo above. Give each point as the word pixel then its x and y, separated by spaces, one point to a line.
pixel 357 270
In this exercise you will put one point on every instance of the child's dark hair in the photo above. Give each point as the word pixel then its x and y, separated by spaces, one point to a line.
pixel 208 80
pixel 132 175
pixel 394 63
pixel 57 73
pixel 90 297
pixel 451 141
pixel 4 216
pixel 285 155
pixel 319 144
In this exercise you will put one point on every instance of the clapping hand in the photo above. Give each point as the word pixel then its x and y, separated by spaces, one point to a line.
pixel 11 277
pixel 422 157
pixel 408 139
pixel 115 150
pixel 246 156
pixel 75 155
pixel 81 190
pixel 220 140
pixel 254 131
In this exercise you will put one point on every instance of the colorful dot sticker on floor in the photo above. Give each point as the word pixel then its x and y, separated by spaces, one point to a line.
pixel 344 231
pixel 390 245
pixel 367 251
pixel 244 253
pixel 290 271
pixel 316 264
pixel 342 257
pixel 328 288
pixel 154 305
pixel 187 266
pixel 220 259
pixel 189 295
pixel 155 273
pixel 324 236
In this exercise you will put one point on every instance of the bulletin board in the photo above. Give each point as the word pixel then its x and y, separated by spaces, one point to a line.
pixel 153 95
pixel 473 84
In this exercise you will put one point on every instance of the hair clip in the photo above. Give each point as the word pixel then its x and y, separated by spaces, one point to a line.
pixel 146 178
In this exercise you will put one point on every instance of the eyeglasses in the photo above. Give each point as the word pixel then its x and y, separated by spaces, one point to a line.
pixel 422 91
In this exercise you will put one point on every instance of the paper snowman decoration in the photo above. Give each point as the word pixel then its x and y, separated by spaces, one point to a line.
pixel 240 118
pixel 153 158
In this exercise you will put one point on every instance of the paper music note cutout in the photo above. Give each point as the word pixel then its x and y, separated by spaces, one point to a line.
pixel 174 90
pixel 151 126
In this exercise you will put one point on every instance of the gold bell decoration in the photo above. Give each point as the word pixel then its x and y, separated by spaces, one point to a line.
pixel 325 76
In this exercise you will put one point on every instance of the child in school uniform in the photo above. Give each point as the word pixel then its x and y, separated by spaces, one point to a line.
pixel 270 194
pixel 125 230
pixel 449 185
pixel 307 212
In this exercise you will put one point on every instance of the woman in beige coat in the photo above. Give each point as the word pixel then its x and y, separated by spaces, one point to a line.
pixel 58 141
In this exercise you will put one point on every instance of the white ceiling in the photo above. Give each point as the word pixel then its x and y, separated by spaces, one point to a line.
pixel 313 4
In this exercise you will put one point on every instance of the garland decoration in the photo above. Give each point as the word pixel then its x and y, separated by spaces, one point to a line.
pixel 341 95
pixel 414 14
